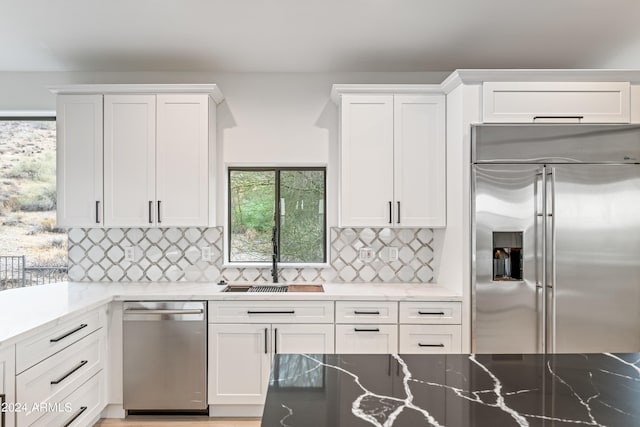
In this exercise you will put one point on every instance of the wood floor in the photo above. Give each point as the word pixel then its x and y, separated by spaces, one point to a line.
pixel 179 422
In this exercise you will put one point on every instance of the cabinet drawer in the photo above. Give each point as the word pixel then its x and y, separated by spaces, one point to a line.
pixel 271 312
pixel 59 375
pixel 433 313
pixel 366 339
pixel 55 338
pixel 427 339
pixel 366 312
pixel 81 408
pixel 585 102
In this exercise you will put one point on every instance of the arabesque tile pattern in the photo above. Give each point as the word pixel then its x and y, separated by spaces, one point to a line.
pixel 174 254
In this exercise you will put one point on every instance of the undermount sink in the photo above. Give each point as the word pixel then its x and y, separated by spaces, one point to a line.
pixel 274 288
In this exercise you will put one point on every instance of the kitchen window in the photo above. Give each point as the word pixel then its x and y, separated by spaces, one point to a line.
pixel 282 204
pixel 33 249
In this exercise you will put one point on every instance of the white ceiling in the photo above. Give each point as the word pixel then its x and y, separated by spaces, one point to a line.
pixel 314 35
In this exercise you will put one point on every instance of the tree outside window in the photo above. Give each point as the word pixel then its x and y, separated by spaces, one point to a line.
pixel 289 202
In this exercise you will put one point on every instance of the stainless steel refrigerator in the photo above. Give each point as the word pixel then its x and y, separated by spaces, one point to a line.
pixel 556 238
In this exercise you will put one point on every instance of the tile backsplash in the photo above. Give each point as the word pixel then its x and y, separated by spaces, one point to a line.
pixel 174 254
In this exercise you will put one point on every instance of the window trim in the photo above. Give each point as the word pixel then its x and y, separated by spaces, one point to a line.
pixel 277 169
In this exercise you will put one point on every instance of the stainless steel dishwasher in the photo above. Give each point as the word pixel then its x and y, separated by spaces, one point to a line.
pixel 165 356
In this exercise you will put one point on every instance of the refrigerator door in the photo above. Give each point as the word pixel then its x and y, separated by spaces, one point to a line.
pixel 594 278
pixel 507 259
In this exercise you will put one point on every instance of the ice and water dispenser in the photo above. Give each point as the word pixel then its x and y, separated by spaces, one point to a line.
pixel 507 255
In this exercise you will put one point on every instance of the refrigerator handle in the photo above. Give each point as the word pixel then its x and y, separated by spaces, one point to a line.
pixel 552 282
pixel 543 285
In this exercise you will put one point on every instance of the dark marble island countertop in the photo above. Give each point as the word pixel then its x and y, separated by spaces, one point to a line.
pixel 456 390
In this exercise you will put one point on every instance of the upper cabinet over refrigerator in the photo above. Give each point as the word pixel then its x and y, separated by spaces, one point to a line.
pixel 556 102
pixel 392 160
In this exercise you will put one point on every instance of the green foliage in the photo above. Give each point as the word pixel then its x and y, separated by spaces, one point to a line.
pixel 302 219
pixel 36 168
pixel 37 197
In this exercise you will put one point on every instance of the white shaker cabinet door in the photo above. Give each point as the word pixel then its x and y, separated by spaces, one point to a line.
pixel 79 161
pixel 239 363
pixel 419 161
pixel 316 339
pixel 182 159
pixel 7 384
pixel 129 160
pixel 366 339
pixel 366 172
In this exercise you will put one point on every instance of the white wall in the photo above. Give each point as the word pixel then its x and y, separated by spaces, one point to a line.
pixel 269 118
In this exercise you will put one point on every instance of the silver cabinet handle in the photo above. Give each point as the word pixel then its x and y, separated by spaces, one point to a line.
pixel 69 373
pixel 398 221
pixel 431 313
pixel 165 311
pixel 150 209
pixel 159 220
pixel 66 334
pixel 366 329
pixel 390 212
pixel 75 416
pixel 430 345
pixel 366 312
pixel 97 211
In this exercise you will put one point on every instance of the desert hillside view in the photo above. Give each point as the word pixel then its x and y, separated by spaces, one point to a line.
pixel 28 194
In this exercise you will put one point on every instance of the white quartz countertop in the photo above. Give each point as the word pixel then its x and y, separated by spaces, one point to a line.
pixel 25 309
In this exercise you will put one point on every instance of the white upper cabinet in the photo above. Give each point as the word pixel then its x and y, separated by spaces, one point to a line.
pixel 419 160
pixel 366 169
pixel 182 160
pixel 556 102
pixel 79 161
pixel 136 155
pixel 129 160
pixel 392 160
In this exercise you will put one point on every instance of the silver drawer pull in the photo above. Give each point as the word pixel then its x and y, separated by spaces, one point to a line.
pixel 167 311
pixel 75 416
pixel 430 345
pixel 366 312
pixel 66 334
pixel 68 374
pixel 366 330
pixel 431 313
pixel 271 312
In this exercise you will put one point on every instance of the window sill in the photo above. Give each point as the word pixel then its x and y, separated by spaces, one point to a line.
pixel 281 265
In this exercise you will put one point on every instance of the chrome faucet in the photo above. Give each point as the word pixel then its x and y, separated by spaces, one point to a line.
pixel 274 255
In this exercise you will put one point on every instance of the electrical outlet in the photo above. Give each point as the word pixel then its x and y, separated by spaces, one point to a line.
pixel 129 253
pixel 393 253
pixel 365 254
pixel 205 253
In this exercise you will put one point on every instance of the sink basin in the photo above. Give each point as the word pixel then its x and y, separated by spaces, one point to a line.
pixel 273 288
pixel 255 288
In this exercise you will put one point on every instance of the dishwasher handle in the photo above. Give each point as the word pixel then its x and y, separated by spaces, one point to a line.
pixel 164 311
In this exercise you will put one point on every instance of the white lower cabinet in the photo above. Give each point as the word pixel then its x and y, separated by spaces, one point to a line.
pixel 239 363
pixel 317 339
pixel 427 339
pixel 240 354
pixel 7 386
pixel 430 327
pixel 366 339
pixel 80 408
pixel 52 379
pixel 60 378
